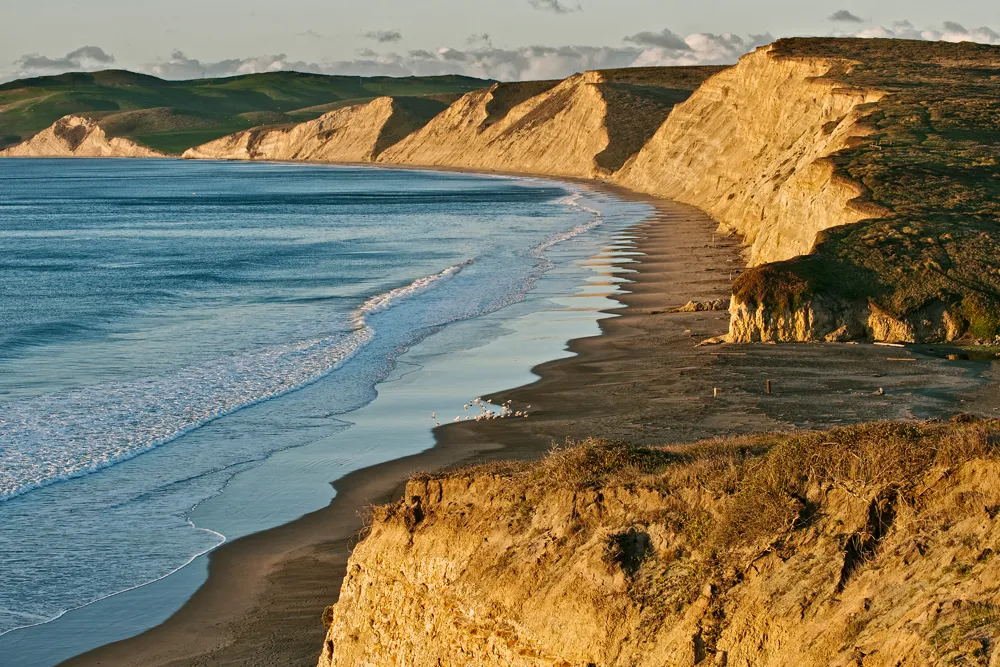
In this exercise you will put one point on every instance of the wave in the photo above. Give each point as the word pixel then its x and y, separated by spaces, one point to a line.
pixel 44 620
pixel 572 200
pixel 58 437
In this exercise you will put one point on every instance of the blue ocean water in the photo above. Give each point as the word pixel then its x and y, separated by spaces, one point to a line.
pixel 167 326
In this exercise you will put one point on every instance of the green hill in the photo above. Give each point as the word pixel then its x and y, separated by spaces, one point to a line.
pixel 171 116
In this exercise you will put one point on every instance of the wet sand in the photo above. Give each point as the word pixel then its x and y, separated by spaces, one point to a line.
pixel 644 379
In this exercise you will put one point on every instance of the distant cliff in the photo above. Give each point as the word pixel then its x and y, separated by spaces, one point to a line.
pixel 870 545
pixel 357 133
pixel 585 126
pixel 75 136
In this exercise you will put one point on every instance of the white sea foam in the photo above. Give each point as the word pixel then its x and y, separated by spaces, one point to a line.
pixel 573 201
pixel 57 437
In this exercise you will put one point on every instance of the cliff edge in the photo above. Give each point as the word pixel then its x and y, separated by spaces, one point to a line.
pixel 871 545
pixel 77 136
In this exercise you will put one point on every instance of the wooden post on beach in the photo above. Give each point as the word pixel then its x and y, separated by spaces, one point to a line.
pixel 767 386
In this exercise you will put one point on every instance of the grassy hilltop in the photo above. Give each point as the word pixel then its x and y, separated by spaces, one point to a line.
pixel 171 116
pixel 931 177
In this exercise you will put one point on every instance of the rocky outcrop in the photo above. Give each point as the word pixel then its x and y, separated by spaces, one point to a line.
pixel 866 546
pixel 749 147
pixel 823 318
pixel 352 134
pixel 76 136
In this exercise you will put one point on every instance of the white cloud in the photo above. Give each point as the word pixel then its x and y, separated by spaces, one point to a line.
pixel 950 32
pixel 481 59
pixel 180 66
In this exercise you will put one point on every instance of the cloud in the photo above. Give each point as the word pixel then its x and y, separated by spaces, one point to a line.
pixel 555 6
pixel 545 62
pixel 702 49
pixel 844 16
pixel 482 40
pixel 311 34
pixel 951 32
pixel 92 53
pixel 180 66
pixel 384 36
pixel 480 58
pixel 83 59
pixel 665 39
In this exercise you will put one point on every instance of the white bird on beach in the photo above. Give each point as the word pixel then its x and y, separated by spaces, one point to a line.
pixel 458 419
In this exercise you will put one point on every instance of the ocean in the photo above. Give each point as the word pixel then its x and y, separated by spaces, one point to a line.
pixel 191 351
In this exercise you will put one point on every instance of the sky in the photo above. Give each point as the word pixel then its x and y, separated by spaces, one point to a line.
pixel 501 39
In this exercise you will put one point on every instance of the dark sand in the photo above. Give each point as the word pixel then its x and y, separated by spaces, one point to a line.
pixel 643 380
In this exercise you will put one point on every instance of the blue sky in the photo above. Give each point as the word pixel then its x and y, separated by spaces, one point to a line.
pixel 510 39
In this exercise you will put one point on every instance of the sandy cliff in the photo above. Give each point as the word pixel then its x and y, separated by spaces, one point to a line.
pixel 750 148
pixel 559 132
pixel 585 126
pixel 352 134
pixel 76 136
pixel 868 546
pixel 922 264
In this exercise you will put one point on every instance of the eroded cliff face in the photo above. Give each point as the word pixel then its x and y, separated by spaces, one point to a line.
pixel 351 134
pixel 76 136
pixel 826 319
pixel 748 147
pixel 558 132
pixel 858 547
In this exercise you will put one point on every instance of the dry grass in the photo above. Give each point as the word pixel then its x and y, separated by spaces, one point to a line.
pixel 761 486
pixel 682 524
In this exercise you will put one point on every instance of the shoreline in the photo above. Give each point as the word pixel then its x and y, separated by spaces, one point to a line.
pixel 323 537
pixel 265 592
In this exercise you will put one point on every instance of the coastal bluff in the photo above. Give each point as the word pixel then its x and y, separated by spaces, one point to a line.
pixel 77 136
pixel 358 133
pixel 870 545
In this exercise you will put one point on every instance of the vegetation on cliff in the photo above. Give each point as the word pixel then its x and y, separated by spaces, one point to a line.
pixel 929 174
pixel 867 545
pixel 171 116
